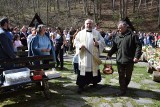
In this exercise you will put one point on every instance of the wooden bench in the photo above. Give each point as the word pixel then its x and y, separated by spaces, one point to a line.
pixel 29 63
pixel 22 51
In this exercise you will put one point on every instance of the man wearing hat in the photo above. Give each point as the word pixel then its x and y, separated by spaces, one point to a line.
pixel 6 46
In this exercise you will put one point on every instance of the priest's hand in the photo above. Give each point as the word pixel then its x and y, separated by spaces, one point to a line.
pixel 135 60
pixel 96 43
pixel 82 47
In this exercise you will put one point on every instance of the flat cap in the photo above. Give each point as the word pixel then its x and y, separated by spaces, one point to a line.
pixel 3 20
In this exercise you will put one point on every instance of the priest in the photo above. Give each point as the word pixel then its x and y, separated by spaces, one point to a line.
pixel 89 44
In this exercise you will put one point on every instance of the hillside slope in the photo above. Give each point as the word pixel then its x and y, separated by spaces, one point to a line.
pixel 146 20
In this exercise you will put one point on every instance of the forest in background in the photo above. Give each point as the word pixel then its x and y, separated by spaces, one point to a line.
pixel 144 14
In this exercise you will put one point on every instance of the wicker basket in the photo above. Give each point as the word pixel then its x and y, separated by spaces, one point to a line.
pixel 156 76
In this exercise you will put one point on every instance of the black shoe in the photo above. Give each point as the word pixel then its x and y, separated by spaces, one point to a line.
pixel 79 91
pixel 57 65
pixel 126 87
pixel 94 86
pixel 61 68
pixel 122 93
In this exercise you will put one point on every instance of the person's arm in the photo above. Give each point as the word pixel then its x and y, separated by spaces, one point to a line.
pixel 20 43
pixel 77 43
pixel 100 42
pixel 29 39
pixel 22 36
pixel 75 34
pixel 113 49
pixel 64 41
pixel 138 44
pixel 49 45
pixel 34 45
pixel 7 46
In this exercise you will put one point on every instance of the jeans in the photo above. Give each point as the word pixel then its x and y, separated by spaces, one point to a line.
pixel 75 68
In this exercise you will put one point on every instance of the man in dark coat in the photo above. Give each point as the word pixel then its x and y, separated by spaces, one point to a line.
pixel 6 46
pixel 23 36
pixel 128 48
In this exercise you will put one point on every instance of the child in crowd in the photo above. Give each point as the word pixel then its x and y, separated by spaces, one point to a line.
pixel 17 42
pixel 75 63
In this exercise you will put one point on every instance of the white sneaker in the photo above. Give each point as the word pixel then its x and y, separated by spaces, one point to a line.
pixel 65 54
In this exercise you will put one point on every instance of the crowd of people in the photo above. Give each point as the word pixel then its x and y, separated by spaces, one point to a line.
pixel 86 42
pixel 150 38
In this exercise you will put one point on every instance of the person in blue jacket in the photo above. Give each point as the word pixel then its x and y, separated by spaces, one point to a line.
pixel 6 45
pixel 41 44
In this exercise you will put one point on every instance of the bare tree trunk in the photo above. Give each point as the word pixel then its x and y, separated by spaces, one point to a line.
pixel 54 6
pixel 95 10
pixel 159 15
pixel 89 6
pixel 22 10
pixel 140 1
pixel 34 9
pixel 125 8
pixel 50 5
pixel 75 3
pixel 2 2
pixel 58 6
pixel 146 4
pixel 152 2
pixel 7 4
pixel 100 8
pixel 69 8
pixel 134 5
pixel 113 5
pixel 17 14
pixel 66 3
pixel 96 6
pixel 120 9
pixel 38 7
pixel 85 6
pixel 47 11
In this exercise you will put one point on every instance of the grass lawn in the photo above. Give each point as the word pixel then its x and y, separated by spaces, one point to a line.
pixel 63 91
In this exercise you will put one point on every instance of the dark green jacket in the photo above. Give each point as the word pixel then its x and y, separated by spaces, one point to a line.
pixel 127 46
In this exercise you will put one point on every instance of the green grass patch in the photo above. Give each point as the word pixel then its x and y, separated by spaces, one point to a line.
pixel 62 93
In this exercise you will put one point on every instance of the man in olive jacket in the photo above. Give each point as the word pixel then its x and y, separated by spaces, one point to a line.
pixel 128 51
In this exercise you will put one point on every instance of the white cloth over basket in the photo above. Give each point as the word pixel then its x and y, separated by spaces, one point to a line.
pixel 16 76
pixel 51 74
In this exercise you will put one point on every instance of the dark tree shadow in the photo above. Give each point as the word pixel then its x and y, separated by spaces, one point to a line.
pixel 32 95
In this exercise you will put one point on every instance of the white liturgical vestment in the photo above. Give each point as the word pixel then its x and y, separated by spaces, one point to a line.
pixel 86 60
